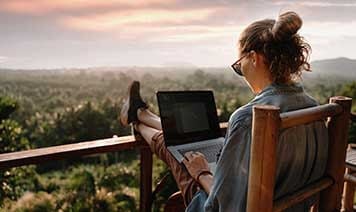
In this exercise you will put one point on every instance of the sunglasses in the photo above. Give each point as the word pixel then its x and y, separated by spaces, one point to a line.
pixel 236 66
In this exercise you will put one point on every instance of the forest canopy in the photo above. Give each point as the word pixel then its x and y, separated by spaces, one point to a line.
pixel 53 107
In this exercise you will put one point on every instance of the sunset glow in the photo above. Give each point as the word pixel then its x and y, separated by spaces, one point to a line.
pixel 37 7
pixel 114 20
pixel 87 33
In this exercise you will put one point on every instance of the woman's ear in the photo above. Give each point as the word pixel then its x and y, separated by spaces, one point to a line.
pixel 257 59
pixel 254 57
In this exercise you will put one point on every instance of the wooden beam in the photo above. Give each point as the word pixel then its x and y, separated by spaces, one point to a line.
pixel 265 128
pixel 145 180
pixel 351 158
pixel 338 126
pixel 303 194
pixel 40 155
pixel 349 177
pixel 298 117
pixel 60 152
pixel 349 190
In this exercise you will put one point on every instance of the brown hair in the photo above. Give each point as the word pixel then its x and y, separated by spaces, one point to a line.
pixel 285 52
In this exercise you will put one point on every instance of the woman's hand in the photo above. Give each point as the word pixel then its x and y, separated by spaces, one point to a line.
pixel 196 164
pixel 198 168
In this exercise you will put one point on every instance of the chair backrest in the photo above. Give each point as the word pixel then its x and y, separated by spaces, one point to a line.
pixel 266 125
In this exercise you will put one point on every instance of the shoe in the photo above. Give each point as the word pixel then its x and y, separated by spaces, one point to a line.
pixel 132 103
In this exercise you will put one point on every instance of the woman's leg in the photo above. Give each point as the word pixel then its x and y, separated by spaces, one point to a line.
pixel 149 118
pixel 134 110
pixel 149 125
pixel 147 133
pixel 155 140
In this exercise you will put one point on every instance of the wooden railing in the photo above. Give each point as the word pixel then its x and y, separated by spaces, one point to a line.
pixel 61 152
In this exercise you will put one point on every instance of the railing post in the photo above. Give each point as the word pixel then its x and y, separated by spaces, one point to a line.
pixel 265 126
pixel 349 192
pixel 338 125
pixel 145 179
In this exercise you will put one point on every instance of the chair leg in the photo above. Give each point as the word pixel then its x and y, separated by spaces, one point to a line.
pixel 175 203
pixel 315 207
pixel 349 194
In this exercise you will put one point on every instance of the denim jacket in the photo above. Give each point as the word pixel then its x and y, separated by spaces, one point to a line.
pixel 301 154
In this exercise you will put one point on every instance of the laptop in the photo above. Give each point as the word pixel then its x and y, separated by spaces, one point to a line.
pixel 190 123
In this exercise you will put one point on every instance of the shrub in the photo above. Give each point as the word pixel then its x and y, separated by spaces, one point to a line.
pixel 34 202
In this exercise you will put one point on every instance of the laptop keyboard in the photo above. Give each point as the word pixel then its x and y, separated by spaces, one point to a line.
pixel 210 152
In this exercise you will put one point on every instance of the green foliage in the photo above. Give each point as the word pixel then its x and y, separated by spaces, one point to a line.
pixel 16 181
pixel 125 202
pixel 33 202
pixel 113 178
pixel 7 107
pixel 322 92
pixel 84 189
pixel 349 90
pixel 80 190
pixel 160 170
pixel 11 137
pixel 84 122
pixel 104 201
pixel 52 108
pixel 11 134
pixel 83 183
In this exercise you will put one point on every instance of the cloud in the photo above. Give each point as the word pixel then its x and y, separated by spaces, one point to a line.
pixel 329 30
pixel 199 31
pixel 316 3
pixel 127 18
pixel 3 59
pixel 41 7
pixel 141 17
pixel 198 34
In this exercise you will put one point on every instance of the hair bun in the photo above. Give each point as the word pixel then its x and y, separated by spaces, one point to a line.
pixel 286 26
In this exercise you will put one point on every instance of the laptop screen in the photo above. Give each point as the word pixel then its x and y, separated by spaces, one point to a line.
pixel 188 116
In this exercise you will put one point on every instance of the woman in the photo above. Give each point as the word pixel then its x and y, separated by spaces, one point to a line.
pixel 271 56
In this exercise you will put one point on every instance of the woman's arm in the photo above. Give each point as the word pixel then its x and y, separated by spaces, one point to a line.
pixel 206 181
pixel 198 168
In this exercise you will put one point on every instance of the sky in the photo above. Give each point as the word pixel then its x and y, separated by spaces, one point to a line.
pixel 202 33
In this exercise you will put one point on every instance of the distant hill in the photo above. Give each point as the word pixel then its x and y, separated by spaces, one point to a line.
pixel 338 68
pixel 341 67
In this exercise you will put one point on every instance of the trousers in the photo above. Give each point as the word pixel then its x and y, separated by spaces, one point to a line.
pixel 186 184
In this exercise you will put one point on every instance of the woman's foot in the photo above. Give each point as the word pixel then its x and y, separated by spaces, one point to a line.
pixel 132 104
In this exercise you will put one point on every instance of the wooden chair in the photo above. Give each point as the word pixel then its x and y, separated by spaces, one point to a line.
pixel 267 122
pixel 265 128
pixel 350 175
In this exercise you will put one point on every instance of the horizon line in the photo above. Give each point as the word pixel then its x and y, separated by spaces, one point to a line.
pixel 183 66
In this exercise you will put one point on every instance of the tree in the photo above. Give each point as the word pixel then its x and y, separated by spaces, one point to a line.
pixel 14 181
pixel 7 107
